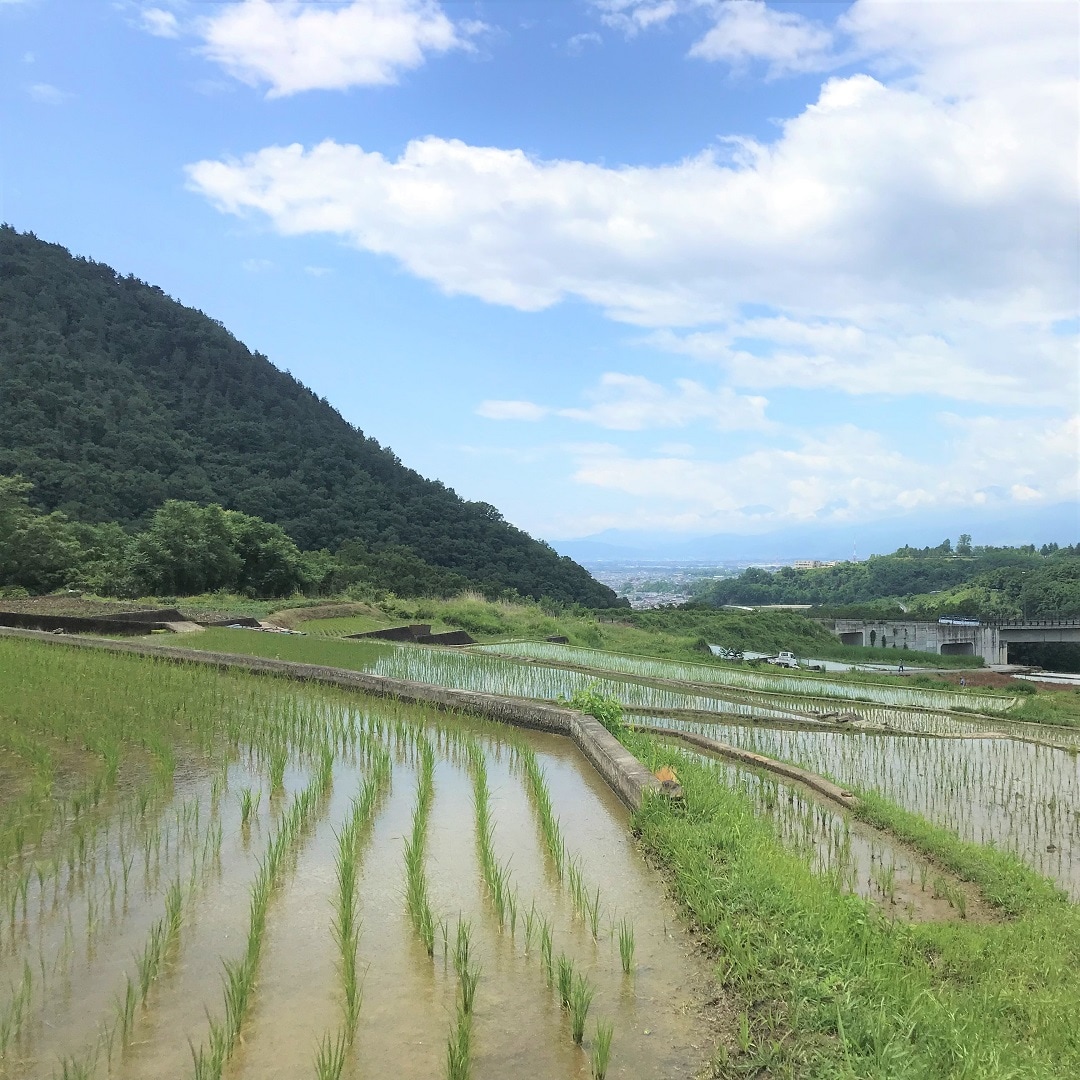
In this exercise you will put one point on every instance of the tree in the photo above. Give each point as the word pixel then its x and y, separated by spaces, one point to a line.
pixel 189 549
pixel 963 545
pixel 270 563
pixel 36 550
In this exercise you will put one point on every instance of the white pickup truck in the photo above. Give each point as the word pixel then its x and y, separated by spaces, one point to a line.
pixel 783 659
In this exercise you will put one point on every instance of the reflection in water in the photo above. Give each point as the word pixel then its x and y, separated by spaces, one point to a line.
pixel 409 998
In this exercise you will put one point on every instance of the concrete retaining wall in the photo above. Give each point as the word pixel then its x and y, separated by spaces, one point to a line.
pixel 154 615
pixel 625 775
pixel 76 624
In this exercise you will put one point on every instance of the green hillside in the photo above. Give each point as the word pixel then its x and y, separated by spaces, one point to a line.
pixel 114 398
pixel 988 582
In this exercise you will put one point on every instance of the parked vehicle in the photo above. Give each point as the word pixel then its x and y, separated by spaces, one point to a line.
pixel 783 659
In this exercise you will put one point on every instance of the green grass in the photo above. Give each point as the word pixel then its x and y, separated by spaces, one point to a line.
pixel 329 652
pixel 831 987
pixel 1049 707
pixel 352 624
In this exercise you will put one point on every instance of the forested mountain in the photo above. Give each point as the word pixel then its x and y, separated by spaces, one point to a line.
pixel 115 398
pixel 990 582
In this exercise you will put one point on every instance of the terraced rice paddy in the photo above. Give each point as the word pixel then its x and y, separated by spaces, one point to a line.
pixel 856 857
pixel 1020 797
pixel 677 671
pixel 207 874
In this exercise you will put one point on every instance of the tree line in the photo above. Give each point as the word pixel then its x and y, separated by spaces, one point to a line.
pixel 982 581
pixel 185 549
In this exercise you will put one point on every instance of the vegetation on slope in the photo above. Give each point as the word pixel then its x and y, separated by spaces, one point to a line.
pixel 115 398
pixel 924 583
pixel 186 549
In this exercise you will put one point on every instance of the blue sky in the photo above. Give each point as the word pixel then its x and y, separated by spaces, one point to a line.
pixel 674 266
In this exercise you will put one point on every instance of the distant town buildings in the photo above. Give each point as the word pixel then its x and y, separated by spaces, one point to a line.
pixel 813 564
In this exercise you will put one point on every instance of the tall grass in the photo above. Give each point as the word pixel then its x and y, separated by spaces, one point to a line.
pixel 927 1001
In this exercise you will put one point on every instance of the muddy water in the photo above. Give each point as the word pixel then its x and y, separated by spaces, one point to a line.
pixel 215 923
pixel 1021 797
pixel 659 1027
pixel 402 1028
pixel 299 952
pixel 409 998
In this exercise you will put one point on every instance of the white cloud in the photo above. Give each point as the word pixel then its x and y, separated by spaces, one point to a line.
pixel 318 271
pixel 577 44
pixel 159 22
pixel 632 403
pixel 633 16
pixel 47 94
pixel 911 236
pixel 511 410
pixel 982 356
pixel 845 474
pixel 258 266
pixel 291 46
pixel 747 30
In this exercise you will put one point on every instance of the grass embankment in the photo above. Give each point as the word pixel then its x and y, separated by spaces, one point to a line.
pixel 668 634
pixel 1060 707
pixel 834 989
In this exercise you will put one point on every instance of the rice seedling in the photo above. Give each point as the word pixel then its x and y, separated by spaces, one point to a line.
pixel 592 909
pixel 545 948
pixel 249 804
pixel 565 979
pixel 12 1020
pixel 330 1057
pixel 531 924
pixel 125 1009
pixel 459 1047
pixel 581 996
pixel 626 945
pixel 419 907
pixel 77 1068
pixel 600 1056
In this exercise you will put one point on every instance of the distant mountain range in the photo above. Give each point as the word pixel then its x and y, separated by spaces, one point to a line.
pixel 1060 523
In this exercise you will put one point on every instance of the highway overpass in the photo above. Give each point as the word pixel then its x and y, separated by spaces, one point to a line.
pixel 990 640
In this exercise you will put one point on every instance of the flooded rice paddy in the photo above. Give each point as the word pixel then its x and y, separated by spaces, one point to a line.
pixel 286 891
pixel 1018 796
pixel 206 874
pixel 679 671
pixel 989 779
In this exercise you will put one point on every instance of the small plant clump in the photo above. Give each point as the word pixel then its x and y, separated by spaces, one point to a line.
pixel 601 1049
pixel 594 702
